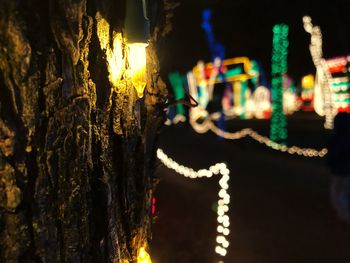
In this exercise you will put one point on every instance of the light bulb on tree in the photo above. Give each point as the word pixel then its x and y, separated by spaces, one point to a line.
pixel 137 31
pixel 137 66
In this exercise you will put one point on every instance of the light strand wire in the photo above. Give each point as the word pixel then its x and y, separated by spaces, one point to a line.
pixel 223 220
pixel 208 124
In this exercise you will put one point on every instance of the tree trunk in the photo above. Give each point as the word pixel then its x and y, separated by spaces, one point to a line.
pixel 76 149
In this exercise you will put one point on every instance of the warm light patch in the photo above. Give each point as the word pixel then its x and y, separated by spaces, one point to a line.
pixel 114 52
pixel 143 256
pixel 308 82
pixel 116 63
pixel 102 31
pixel 137 66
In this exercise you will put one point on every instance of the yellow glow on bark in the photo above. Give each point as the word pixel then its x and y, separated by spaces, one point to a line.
pixel 114 52
pixel 143 256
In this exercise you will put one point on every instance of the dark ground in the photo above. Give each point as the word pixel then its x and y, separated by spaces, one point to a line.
pixel 279 209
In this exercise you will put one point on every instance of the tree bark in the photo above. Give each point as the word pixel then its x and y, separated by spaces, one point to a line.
pixel 76 152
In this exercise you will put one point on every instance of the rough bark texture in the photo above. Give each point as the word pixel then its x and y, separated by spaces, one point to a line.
pixel 76 154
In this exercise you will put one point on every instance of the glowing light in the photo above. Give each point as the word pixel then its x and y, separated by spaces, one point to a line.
pixel 176 81
pixel 143 256
pixel 318 97
pixel 308 82
pixel 137 66
pixel 337 65
pixel 278 131
pixel 209 125
pixel 340 82
pixel 259 103
pixel 115 59
pixel 116 62
pixel 230 75
pixel 114 55
pixel 203 98
pixel 290 101
pixel 216 48
pixel 307 92
pixel 102 31
pixel 233 71
pixel 323 77
pixel 224 198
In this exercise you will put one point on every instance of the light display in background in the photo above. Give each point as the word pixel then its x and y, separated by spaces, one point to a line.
pixel 323 96
pixel 278 128
pixel 216 48
pixel 238 98
pixel 259 103
pixel 340 82
pixel 196 112
pixel 203 95
pixel 254 100
pixel 177 113
pixel 339 86
pixel 291 101
pixel 242 94
pixel 307 92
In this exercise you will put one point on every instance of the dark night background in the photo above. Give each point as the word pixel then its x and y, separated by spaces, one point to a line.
pixel 245 29
pixel 280 210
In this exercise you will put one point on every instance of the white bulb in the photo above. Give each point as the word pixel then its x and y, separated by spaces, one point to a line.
pixel 218 250
pixel 223 252
pixel 225 244
pixel 220 229
pixel 220 239
pixel 222 193
pixel 226 231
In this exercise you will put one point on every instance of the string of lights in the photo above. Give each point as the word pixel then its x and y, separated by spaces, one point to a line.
pixel 306 152
pixel 209 125
pixel 223 220
pixel 324 77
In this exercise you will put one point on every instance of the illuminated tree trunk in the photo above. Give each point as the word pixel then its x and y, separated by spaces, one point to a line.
pixel 76 150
